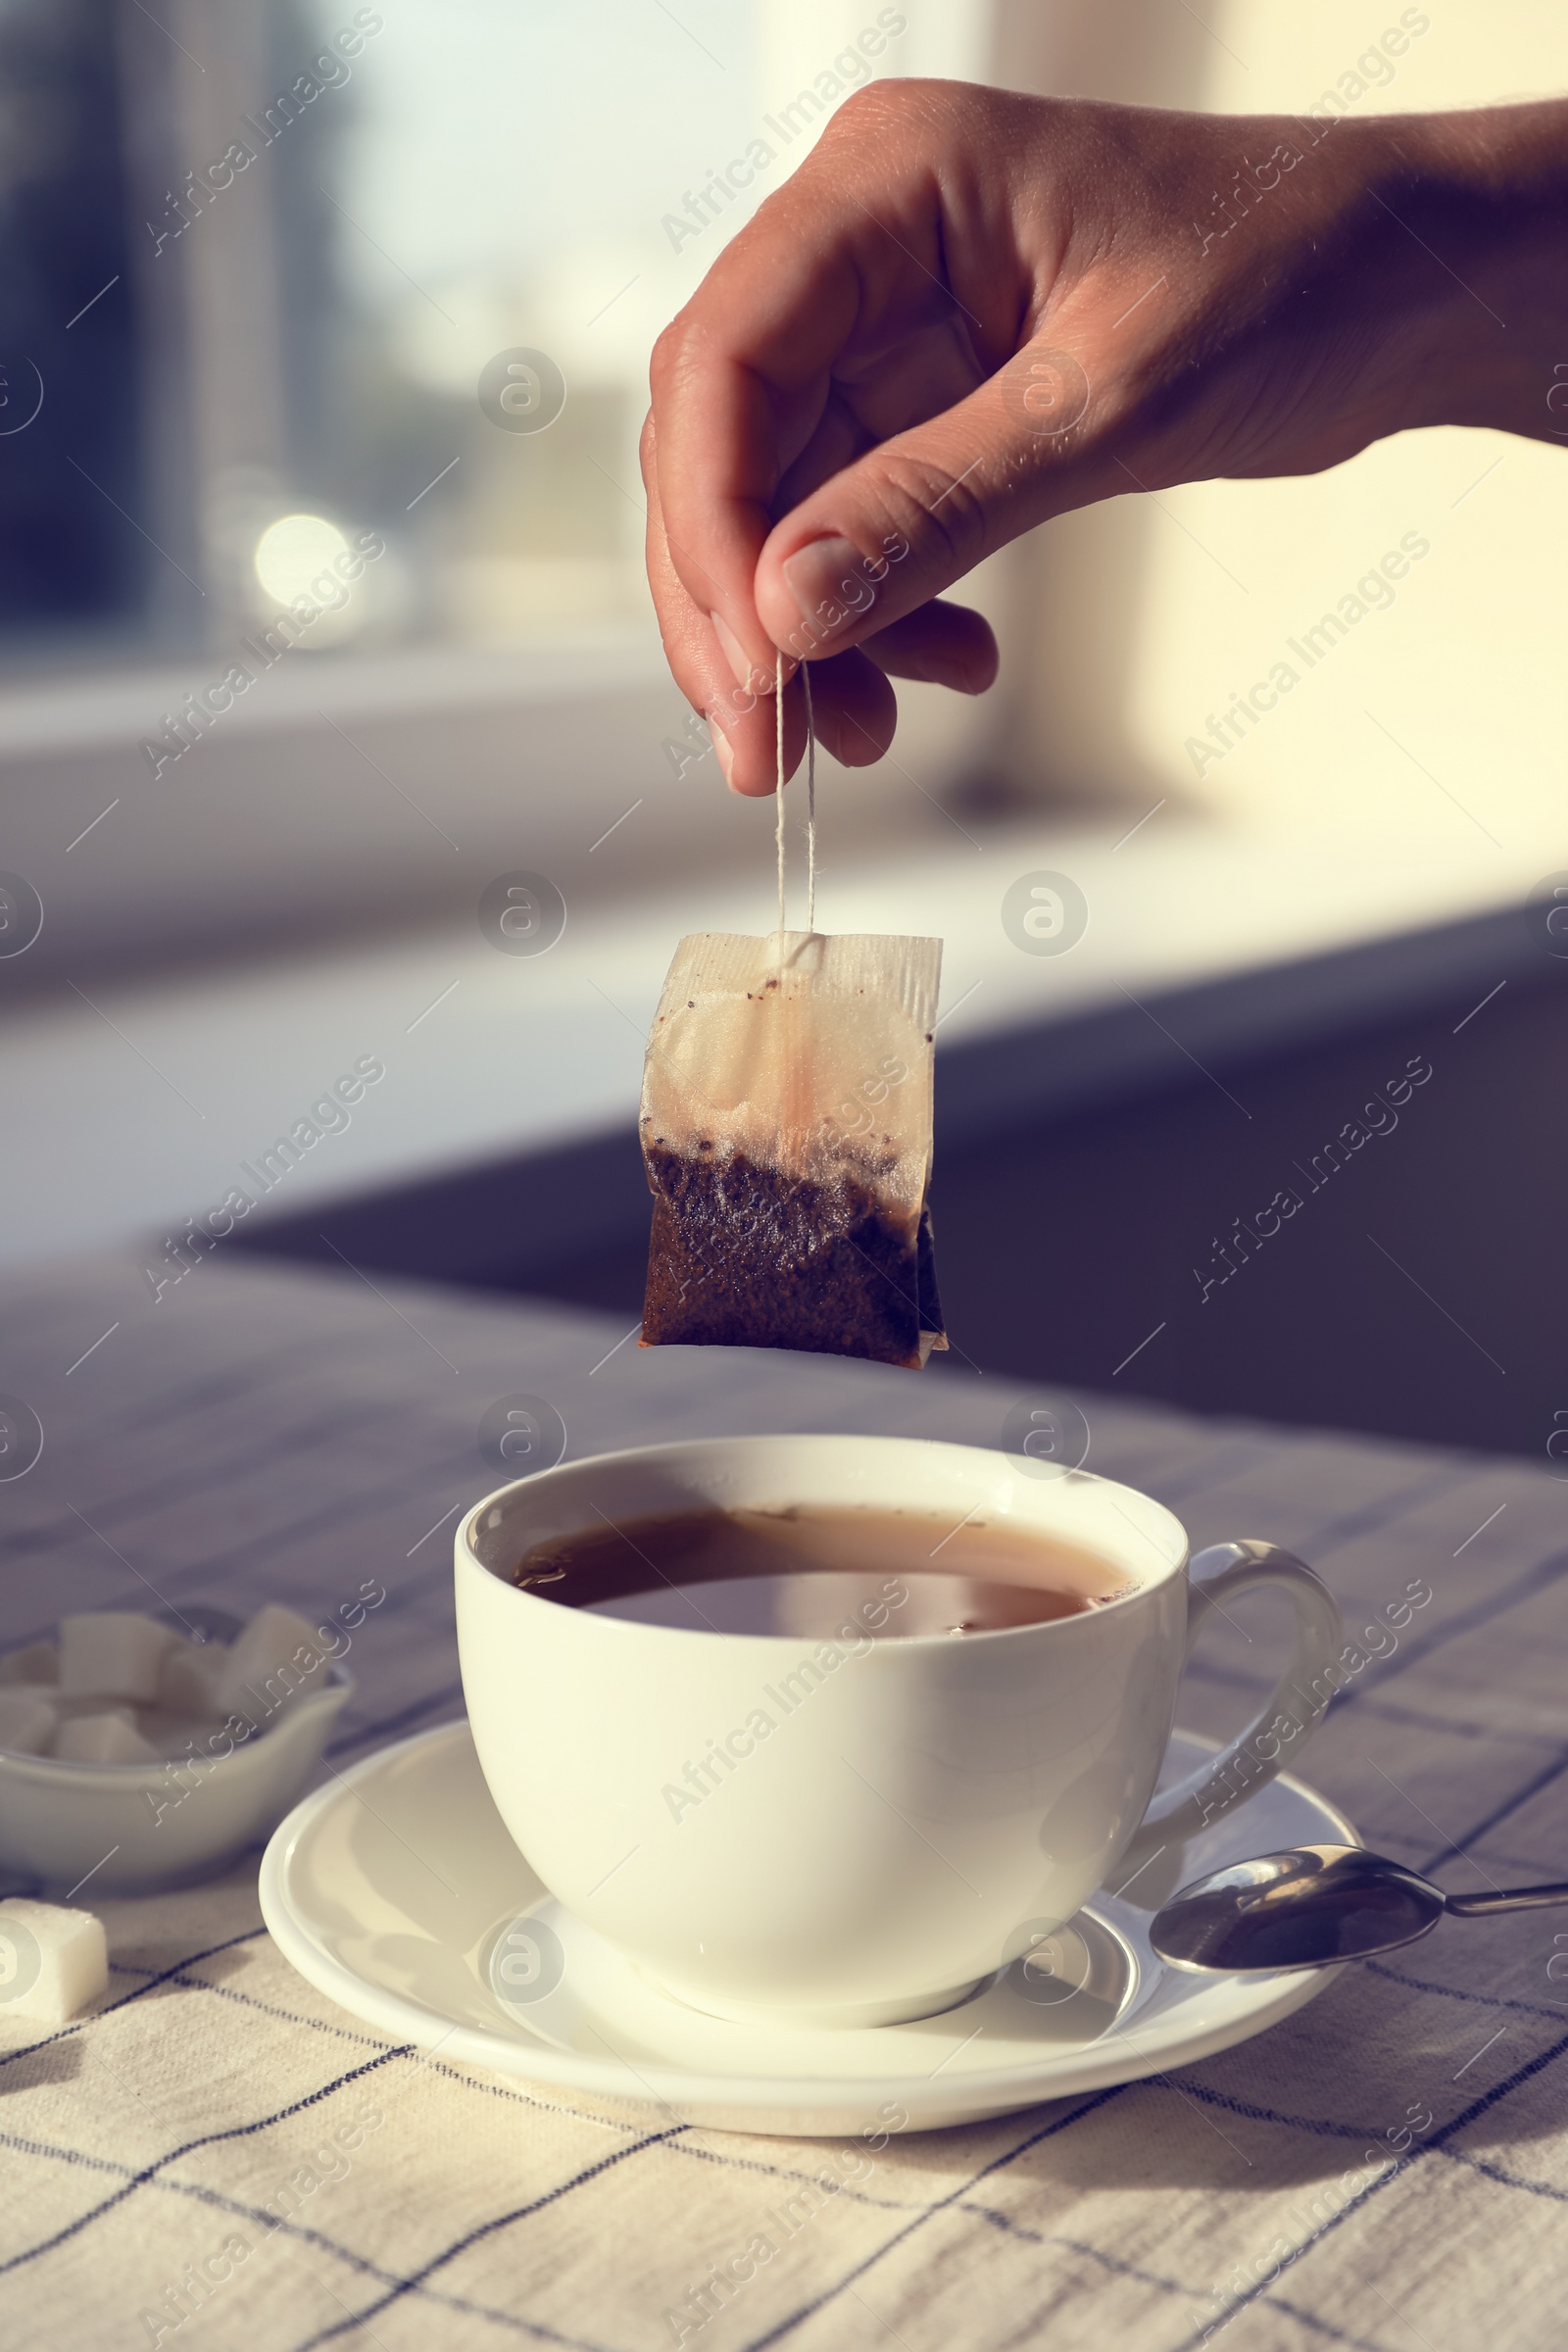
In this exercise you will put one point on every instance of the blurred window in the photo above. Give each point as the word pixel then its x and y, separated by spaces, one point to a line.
pixel 292 271
pixel 68 406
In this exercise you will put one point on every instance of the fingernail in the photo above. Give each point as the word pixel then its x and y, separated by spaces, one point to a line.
pixel 829 580
pixel 721 749
pixel 752 678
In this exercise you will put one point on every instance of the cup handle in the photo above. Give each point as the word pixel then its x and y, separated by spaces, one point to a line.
pixel 1287 1716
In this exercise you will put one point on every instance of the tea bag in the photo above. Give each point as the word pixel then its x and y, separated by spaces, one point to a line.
pixel 786 1133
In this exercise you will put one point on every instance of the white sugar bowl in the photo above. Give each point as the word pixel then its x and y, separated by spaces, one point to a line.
pixel 131 1827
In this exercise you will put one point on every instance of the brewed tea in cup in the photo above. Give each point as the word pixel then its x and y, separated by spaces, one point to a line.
pixel 827 1729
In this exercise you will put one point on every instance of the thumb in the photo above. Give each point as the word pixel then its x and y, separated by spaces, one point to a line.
pixel 900 524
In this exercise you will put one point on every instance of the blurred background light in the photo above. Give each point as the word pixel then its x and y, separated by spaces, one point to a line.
pixel 293 553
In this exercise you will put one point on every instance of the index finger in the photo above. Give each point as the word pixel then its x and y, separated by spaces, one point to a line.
pixel 738 382
pixel 744 378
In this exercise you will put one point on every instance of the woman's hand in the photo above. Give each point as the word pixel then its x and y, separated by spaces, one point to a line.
pixel 969 310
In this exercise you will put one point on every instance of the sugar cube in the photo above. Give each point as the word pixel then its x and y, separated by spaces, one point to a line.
pixel 52 1961
pixel 113 1653
pixel 106 1739
pixel 27 1721
pixel 39 1662
pixel 274 1659
pixel 188 1674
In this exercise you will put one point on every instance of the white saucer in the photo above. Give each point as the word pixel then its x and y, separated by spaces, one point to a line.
pixel 396 1891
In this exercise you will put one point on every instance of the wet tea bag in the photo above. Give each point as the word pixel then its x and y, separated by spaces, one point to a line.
pixel 786 1134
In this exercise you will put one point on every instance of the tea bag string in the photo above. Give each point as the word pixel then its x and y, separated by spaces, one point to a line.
pixel 811 794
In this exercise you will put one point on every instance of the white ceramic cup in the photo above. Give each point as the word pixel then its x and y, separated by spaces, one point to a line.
pixel 914 1813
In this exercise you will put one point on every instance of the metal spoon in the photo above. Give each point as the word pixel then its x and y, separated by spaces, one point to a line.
pixel 1312 1906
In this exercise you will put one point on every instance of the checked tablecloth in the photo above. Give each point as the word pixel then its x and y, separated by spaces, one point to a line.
pixel 1386 2170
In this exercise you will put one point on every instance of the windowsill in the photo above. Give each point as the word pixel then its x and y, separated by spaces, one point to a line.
pixel 95 706
pixel 136 1112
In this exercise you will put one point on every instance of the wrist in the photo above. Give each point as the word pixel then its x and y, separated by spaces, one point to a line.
pixel 1468 215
